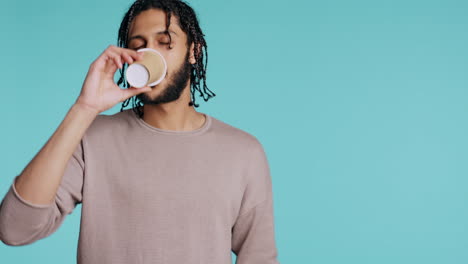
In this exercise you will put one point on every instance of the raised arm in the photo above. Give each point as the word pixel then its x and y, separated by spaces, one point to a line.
pixel 40 197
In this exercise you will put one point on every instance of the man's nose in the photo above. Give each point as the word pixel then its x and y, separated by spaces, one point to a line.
pixel 151 46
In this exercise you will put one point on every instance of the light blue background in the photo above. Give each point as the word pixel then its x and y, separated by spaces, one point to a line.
pixel 361 107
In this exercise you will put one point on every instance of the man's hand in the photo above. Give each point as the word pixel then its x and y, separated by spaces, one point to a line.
pixel 99 91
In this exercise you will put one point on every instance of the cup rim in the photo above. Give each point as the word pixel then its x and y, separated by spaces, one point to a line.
pixel 164 61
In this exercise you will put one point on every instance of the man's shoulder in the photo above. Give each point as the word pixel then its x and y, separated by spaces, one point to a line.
pixel 109 122
pixel 234 134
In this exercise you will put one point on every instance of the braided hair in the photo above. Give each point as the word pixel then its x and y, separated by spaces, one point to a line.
pixel 189 24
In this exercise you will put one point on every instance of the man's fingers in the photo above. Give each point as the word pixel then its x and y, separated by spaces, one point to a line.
pixel 121 51
pixel 112 63
pixel 118 55
pixel 127 58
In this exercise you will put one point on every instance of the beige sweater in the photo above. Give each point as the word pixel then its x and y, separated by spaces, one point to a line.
pixel 153 196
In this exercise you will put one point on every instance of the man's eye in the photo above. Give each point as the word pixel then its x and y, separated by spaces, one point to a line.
pixel 160 42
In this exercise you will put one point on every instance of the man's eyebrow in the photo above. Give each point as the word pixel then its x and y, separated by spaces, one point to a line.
pixel 157 33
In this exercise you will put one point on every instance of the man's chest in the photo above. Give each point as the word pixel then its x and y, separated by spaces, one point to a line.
pixel 167 184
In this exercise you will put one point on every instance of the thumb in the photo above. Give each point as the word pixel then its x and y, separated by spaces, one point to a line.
pixel 132 91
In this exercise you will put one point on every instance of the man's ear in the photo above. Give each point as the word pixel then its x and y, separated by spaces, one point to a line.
pixel 192 54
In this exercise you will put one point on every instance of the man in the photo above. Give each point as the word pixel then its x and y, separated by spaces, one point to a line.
pixel 158 183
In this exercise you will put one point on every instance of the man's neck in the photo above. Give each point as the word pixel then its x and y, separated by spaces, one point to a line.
pixel 176 115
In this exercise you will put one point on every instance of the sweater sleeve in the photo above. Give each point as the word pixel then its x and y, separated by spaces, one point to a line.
pixel 22 222
pixel 253 234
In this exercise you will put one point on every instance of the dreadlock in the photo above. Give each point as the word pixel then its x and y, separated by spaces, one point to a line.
pixel 189 24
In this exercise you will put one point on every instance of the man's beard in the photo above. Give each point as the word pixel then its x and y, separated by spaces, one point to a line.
pixel 174 88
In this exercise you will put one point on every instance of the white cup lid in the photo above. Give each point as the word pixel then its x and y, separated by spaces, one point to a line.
pixel 137 75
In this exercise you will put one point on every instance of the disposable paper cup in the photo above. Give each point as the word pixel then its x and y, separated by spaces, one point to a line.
pixel 148 71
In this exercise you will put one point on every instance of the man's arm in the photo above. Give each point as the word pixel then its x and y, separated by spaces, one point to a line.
pixel 40 179
pixel 35 206
pixel 37 202
pixel 253 234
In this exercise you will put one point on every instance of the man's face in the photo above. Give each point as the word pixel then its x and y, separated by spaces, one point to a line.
pixel 147 25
